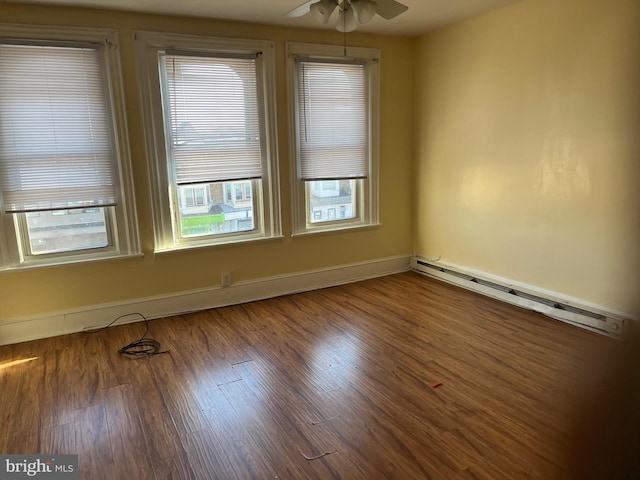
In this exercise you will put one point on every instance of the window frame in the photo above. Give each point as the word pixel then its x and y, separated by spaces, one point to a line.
pixel 266 201
pixel 366 194
pixel 121 219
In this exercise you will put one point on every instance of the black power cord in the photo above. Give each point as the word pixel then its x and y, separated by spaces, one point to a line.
pixel 138 348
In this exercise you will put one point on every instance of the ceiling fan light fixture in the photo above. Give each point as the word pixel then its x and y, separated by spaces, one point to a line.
pixel 352 12
pixel 322 10
pixel 346 18
pixel 364 10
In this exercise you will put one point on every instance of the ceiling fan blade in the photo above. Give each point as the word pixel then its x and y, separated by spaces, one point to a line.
pixel 389 9
pixel 301 9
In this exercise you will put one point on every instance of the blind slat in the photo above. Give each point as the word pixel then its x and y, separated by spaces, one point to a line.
pixel 333 130
pixel 213 118
pixel 56 143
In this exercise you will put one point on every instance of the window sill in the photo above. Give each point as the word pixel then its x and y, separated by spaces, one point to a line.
pixel 344 229
pixel 200 246
pixel 32 265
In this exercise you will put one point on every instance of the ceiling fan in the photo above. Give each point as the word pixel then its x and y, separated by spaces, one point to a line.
pixel 350 12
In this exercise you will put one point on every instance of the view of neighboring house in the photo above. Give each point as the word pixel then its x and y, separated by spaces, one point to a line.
pixel 220 207
pixel 331 200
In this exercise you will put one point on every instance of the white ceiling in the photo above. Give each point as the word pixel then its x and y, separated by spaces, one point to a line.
pixel 422 16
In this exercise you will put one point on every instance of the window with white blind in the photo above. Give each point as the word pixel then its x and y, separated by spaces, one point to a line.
pixel 65 187
pixel 334 120
pixel 209 121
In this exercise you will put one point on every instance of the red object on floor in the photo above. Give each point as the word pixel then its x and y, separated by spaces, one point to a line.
pixel 436 385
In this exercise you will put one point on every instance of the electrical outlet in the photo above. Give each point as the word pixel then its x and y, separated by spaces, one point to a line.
pixel 225 279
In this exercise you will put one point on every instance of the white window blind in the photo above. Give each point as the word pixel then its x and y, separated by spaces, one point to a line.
pixel 56 142
pixel 333 120
pixel 214 125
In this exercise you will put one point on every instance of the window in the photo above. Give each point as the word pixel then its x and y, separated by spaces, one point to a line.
pixel 334 122
pixel 65 183
pixel 210 132
pixel 194 196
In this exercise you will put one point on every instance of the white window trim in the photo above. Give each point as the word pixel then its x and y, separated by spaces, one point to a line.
pixel 368 198
pixel 125 225
pixel 147 45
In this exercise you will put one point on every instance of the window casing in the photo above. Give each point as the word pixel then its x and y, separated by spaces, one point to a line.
pixel 209 114
pixel 66 191
pixel 334 104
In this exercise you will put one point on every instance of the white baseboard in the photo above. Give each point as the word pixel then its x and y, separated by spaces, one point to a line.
pixel 561 307
pixel 59 323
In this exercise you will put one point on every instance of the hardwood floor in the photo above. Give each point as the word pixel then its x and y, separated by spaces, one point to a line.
pixel 336 383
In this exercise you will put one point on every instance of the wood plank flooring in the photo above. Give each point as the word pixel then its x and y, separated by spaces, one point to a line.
pixel 336 383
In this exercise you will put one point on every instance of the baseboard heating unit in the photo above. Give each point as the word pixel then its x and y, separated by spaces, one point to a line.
pixel 594 319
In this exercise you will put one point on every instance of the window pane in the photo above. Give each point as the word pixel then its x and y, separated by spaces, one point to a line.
pixel 66 230
pixel 331 200
pixel 219 212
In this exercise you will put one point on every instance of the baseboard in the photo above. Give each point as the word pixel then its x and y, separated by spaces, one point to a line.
pixel 59 323
pixel 560 307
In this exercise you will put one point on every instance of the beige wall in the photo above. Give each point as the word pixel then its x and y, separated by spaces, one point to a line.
pixel 528 147
pixel 53 289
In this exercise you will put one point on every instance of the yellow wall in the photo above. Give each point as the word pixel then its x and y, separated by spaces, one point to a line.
pixel 528 147
pixel 53 289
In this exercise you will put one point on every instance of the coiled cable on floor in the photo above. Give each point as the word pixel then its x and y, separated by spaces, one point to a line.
pixel 138 348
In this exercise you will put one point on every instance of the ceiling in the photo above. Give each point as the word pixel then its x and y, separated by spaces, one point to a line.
pixel 422 16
